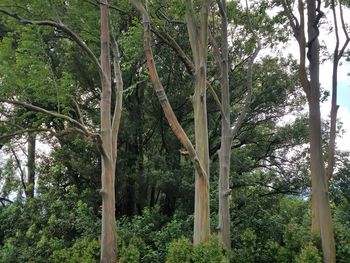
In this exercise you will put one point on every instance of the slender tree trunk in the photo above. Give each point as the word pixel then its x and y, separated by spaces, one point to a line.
pixel 108 242
pixel 31 165
pixel 226 138
pixel 318 172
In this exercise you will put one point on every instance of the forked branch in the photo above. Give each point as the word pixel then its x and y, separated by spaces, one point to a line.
pixel 167 109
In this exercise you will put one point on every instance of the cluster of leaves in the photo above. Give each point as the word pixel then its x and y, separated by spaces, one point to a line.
pixel 51 228
pixel 154 181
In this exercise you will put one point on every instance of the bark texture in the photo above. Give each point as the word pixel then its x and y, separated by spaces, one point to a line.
pixel 110 124
pixel 321 212
pixel 108 242
pixel 226 138
pixel 198 35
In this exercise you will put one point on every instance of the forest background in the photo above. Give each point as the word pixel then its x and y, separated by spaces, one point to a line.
pixel 75 75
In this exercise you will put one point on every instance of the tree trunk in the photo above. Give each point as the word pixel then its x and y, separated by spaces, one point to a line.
pixel 199 43
pixel 31 165
pixel 318 173
pixel 320 198
pixel 108 242
pixel 225 149
pixel 201 209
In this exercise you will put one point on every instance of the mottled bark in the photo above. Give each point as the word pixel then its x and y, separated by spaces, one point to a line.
pixel 321 212
pixel 109 134
pixel 224 227
pixel 198 36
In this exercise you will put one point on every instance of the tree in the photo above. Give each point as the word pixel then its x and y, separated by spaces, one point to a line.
pixel 198 36
pixel 322 217
pixel 228 132
pixel 338 53
pixel 201 224
pixel 110 115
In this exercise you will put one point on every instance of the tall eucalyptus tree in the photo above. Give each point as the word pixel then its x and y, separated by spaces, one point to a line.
pixel 110 115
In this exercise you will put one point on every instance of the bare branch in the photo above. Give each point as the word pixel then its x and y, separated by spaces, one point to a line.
pixel 51 113
pixel 118 107
pixel 20 132
pixel 188 63
pixel 81 119
pixel 248 97
pixel 216 52
pixel 337 55
pixel 6 200
pixel 293 21
pixel 97 3
pixel 347 38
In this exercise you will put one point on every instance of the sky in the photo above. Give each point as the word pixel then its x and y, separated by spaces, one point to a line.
pixel 343 99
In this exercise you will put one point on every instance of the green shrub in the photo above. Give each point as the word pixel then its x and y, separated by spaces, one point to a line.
pixel 247 246
pixel 130 254
pixel 181 250
pixel 309 254
pixel 83 250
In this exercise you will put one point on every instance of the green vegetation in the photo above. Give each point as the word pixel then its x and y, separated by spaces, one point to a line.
pixel 53 153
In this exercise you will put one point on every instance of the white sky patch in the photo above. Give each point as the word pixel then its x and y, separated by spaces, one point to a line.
pixel 327 39
pixel 326 69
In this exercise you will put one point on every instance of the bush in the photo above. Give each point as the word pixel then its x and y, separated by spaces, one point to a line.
pixel 309 254
pixel 130 254
pixel 83 250
pixel 181 250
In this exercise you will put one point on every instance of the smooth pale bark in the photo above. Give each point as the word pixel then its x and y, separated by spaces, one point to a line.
pixel 228 132
pixel 318 173
pixel 321 212
pixel 106 140
pixel 108 242
pixel 31 165
pixel 198 35
pixel 224 228
pixel 337 55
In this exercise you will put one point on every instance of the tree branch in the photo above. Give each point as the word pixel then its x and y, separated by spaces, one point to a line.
pixel 248 97
pixel 6 200
pixel 187 62
pixel 168 111
pixel 9 135
pixel 118 107
pixel 81 127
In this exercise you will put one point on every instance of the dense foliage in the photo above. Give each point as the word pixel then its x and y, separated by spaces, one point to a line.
pixel 42 66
